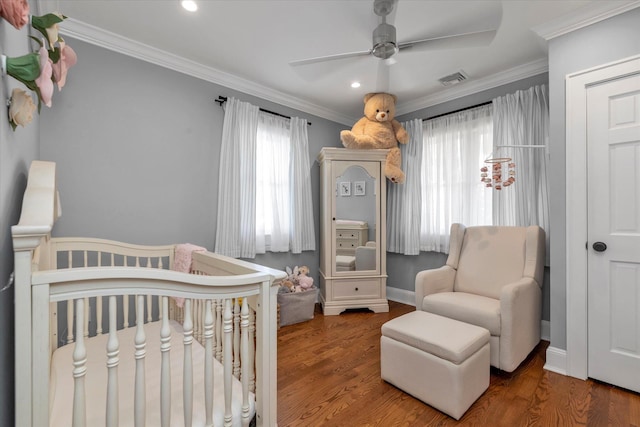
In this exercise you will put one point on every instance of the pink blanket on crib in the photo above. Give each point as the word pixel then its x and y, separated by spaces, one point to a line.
pixel 182 261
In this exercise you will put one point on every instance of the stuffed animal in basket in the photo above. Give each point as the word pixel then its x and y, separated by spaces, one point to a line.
pixel 304 281
pixel 379 129
pixel 286 286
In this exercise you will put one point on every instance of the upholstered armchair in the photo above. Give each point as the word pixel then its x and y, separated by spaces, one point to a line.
pixel 493 279
pixel 366 256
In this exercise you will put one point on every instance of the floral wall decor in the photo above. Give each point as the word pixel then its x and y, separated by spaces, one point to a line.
pixel 37 71
pixel 21 108
pixel 15 12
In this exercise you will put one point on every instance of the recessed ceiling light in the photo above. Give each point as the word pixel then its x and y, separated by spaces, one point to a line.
pixel 355 85
pixel 190 5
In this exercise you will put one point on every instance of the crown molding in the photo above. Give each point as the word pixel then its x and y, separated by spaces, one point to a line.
pixel 99 37
pixel 474 86
pixel 583 17
pixel 590 14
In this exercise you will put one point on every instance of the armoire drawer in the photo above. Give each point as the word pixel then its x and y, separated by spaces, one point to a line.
pixel 356 289
pixel 347 234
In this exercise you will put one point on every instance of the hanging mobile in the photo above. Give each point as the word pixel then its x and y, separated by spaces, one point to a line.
pixel 492 176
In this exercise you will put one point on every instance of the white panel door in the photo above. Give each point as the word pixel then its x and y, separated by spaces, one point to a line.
pixel 613 144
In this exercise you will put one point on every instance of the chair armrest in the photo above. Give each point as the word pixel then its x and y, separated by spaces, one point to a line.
pixel 433 281
pixel 521 310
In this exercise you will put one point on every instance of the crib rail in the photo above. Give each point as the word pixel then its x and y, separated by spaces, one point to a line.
pixel 216 312
pixel 90 252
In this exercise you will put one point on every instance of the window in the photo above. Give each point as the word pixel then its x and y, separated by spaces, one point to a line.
pixel 273 148
pixel 446 154
pixel 455 146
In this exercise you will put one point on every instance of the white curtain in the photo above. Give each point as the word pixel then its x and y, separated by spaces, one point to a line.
pixel 404 200
pixel 455 146
pixel 522 119
pixel 302 231
pixel 235 229
pixel 264 199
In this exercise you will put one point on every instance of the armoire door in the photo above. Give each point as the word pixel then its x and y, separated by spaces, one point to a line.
pixel 613 155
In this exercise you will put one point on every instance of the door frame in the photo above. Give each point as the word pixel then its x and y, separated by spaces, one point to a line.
pixel 576 85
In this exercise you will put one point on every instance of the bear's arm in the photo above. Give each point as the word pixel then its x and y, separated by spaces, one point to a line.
pixel 401 134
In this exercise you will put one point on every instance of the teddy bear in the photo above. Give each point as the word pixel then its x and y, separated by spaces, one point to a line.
pixel 304 281
pixel 379 129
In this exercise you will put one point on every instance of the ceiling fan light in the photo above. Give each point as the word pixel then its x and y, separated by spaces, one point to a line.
pixel 384 50
pixel 384 41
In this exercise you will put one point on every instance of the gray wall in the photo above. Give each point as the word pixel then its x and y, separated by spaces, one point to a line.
pixel 606 41
pixel 17 150
pixel 137 148
pixel 402 269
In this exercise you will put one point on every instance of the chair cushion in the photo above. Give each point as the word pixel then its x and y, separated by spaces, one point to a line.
pixel 469 308
pixel 490 258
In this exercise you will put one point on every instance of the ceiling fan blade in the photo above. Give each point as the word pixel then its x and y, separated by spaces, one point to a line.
pixel 329 58
pixel 474 39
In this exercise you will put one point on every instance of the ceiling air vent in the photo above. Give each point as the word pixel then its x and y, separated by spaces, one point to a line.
pixel 453 79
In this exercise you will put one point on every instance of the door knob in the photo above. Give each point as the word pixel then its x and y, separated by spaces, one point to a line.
pixel 599 246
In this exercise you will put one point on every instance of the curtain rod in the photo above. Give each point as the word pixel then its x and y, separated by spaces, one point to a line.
pixel 222 99
pixel 457 111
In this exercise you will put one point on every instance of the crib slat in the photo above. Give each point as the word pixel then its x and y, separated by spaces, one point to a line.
pixel 165 370
pixel 149 307
pixel 113 350
pixel 99 315
pixel 187 374
pixel 140 409
pixel 125 310
pixel 244 356
pixel 208 363
pixel 79 370
pixel 252 351
pixel 236 338
pixel 195 305
pixel 70 337
pixel 219 330
pixel 86 317
pixel 227 361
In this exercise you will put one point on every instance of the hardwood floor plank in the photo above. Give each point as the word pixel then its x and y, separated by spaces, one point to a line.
pixel 329 375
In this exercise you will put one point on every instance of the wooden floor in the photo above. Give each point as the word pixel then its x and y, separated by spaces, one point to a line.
pixel 329 375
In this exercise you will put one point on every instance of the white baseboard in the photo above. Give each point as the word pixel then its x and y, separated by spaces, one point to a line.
pixel 401 295
pixel 556 360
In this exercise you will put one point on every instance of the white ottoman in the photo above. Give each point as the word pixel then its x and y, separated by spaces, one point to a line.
pixel 441 361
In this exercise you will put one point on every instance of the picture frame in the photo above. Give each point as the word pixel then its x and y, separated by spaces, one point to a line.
pixel 359 188
pixel 344 188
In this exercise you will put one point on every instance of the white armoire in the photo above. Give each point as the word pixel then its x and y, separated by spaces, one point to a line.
pixel 353 263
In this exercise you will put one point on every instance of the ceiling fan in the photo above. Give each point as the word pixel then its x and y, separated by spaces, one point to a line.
pixel 385 44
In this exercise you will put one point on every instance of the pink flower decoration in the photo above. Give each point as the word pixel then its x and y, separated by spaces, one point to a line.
pixel 44 82
pixel 16 12
pixel 67 60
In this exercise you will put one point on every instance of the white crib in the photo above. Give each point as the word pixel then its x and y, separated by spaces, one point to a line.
pixel 127 354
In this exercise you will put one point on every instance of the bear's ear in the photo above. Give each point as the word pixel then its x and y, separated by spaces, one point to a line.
pixel 368 96
pixel 395 98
